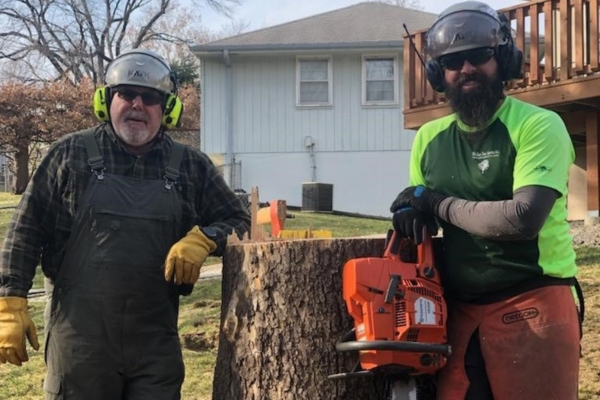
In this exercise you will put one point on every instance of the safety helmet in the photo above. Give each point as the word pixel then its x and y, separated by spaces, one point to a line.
pixel 141 67
pixel 146 68
pixel 464 26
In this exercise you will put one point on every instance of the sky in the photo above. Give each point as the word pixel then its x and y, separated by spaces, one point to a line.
pixel 265 13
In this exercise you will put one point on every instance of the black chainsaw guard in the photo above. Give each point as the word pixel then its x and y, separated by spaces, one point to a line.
pixel 415 347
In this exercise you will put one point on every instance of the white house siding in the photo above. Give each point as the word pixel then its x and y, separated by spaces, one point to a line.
pixel 213 113
pixel 362 151
pixel 363 182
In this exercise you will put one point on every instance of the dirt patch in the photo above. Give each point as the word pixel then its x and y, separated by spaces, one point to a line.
pixel 207 304
pixel 199 341
pixel 585 235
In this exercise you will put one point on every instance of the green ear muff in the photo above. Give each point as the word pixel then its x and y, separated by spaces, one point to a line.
pixel 171 116
pixel 173 111
pixel 101 104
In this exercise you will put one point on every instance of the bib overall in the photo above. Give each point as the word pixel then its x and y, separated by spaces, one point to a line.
pixel 111 323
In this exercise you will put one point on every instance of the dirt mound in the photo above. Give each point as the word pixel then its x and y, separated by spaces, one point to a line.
pixel 199 341
pixel 585 235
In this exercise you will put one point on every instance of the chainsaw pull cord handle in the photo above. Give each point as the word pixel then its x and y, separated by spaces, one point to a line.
pixel 392 247
pixel 425 250
pixel 405 250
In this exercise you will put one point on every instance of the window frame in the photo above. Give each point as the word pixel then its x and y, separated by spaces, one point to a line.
pixel 329 60
pixel 396 80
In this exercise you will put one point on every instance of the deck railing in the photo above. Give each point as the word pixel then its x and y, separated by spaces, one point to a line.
pixel 559 39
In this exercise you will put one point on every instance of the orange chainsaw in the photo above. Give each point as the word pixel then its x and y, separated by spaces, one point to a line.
pixel 399 311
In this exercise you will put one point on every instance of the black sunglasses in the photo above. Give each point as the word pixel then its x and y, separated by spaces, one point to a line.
pixel 475 57
pixel 148 98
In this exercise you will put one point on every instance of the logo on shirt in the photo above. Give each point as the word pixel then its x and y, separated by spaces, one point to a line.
pixel 483 158
pixel 542 168
pixel 520 315
pixel 483 166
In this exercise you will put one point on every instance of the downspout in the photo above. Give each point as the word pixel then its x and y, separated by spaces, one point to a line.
pixel 229 116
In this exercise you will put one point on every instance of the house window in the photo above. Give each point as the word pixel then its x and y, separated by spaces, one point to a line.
pixel 313 78
pixel 380 80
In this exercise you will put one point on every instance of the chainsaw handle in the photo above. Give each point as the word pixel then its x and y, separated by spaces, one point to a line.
pixel 392 246
pixel 391 345
pixel 397 247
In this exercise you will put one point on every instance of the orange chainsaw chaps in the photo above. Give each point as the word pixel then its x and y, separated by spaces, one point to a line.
pixel 395 300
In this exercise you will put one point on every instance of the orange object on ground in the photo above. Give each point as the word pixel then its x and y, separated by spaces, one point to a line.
pixel 278 214
pixel 275 215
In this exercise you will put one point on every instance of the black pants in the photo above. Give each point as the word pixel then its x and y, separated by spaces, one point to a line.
pixel 479 384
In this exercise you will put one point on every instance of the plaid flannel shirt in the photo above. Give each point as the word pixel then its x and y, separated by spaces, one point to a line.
pixel 43 219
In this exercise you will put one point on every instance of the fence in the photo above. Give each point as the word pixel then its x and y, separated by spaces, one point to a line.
pixel 6 178
pixel 232 174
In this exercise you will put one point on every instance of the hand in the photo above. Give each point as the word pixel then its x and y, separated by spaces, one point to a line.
pixel 419 197
pixel 15 324
pixel 187 256
pixel 410 223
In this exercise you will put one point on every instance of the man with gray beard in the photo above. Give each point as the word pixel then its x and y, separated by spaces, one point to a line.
pixel 123 218
pixel 494 176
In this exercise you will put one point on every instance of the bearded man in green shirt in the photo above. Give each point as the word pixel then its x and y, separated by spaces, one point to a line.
pixel 494 175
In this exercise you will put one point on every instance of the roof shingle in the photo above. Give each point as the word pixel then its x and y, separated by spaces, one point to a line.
pixel 362 24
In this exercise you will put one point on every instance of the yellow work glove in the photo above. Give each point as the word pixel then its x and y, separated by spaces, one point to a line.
pixel 15 324
pixel 187 256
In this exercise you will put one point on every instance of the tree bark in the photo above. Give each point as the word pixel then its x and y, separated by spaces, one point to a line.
pixel 282 314
pixel 21 169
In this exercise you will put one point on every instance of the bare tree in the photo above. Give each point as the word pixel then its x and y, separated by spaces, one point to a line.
pixel 183 20
pixel 414 4
pixel 232 28
pixel 73 39
pixel 175 34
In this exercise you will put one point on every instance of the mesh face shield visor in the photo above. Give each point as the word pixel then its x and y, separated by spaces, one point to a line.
pixel 140 68
pixel 464 30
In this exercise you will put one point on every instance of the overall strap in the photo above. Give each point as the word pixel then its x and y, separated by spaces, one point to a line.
pixel 94 160
pixel 172 168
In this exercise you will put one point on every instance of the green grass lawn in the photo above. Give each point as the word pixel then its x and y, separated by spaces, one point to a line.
pixel 7 203
pixel 8 199
pixel 340 226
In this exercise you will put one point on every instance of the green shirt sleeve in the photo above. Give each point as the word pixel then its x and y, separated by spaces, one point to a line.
pixel 415 173
pixel 541 143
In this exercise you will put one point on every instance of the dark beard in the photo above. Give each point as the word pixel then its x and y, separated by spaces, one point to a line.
pixel 478 105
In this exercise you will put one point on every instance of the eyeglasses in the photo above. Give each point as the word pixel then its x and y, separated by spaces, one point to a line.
pixel 475 57
pixel 148 98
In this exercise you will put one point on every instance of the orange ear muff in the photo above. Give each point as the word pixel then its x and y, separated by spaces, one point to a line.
pixel 173 111
pixel 101 104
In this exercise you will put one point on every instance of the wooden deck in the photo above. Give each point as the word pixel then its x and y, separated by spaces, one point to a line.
pixel 560 42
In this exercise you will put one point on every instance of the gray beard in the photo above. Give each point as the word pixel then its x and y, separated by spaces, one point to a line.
pixel 476 107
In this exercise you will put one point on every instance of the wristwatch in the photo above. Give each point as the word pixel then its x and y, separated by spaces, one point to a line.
pixel 210 232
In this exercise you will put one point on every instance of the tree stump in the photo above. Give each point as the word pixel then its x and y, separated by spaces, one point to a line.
pixel 281 316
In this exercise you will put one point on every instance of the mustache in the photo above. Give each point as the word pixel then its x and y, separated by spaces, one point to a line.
pixel 138 115
pixel 479 78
